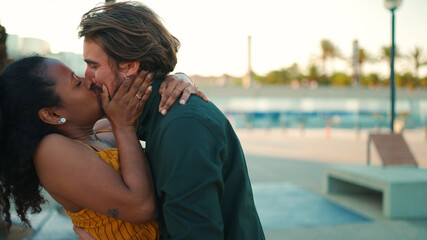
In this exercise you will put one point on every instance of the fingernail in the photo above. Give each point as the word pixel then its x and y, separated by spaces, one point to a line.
pixel 164 111
pixel 182 101
pixel 149 89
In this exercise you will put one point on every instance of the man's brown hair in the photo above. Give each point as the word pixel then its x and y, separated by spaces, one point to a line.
pixel 130 31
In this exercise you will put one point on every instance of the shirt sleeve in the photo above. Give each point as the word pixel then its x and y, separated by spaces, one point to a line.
pixel 190 183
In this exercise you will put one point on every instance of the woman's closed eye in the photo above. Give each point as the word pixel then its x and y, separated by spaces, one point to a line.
pixel 76 79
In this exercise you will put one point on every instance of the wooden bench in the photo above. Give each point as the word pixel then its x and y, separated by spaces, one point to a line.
pixel 404 189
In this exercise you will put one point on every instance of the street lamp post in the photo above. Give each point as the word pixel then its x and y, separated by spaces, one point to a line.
pixel 392 5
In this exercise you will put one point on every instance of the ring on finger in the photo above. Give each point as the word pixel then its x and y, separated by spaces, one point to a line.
pixel 139 97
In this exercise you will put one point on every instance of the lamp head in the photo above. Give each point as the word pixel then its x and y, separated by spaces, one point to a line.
pixel 392 4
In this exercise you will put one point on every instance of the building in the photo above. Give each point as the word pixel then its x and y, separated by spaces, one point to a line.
pixel 19 47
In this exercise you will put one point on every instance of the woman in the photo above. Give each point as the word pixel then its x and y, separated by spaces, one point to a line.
pixel 47 118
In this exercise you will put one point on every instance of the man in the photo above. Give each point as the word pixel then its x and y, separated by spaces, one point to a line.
pixel 198 165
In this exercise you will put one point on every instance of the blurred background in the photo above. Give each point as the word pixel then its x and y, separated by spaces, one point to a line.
pixel 275 64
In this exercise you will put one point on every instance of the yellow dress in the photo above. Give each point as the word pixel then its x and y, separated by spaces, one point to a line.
pixel 101 226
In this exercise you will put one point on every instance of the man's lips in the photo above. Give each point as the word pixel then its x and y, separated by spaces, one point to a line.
pixel 97 89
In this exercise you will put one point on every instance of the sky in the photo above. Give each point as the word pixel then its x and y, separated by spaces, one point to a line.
pixel 214 34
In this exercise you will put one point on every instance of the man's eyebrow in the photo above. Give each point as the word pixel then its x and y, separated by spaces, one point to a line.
pixel 90 61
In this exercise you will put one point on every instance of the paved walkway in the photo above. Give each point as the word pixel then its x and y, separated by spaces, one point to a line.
pixel 299 158
pixel 319 145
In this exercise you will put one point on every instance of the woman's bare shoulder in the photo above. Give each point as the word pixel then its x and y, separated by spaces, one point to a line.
pixel 54 144
pixel 53 140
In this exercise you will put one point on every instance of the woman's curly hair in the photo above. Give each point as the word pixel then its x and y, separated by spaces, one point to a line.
pixel 25 88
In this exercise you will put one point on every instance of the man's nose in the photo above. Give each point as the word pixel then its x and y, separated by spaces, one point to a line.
pixel 89 73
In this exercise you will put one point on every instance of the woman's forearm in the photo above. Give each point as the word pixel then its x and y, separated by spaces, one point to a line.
pixel 136 172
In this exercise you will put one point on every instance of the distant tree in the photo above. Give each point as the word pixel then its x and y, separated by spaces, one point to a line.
pixel 372 80
pixel 340 79
pixel 295 72
pixel 313 73
pixel 257 78
pixel 417 59
pixel 3 52
pixel 278 77
pixel 406 80
pixel 386 54
pixel 237 82
pixel 423 82
pixel 364 57
pixel 329 52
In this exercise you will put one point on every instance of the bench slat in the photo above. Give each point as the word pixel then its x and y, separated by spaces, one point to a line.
pixel 392 149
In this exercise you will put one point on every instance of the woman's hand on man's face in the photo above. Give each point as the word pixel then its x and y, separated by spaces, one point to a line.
pixel 127 104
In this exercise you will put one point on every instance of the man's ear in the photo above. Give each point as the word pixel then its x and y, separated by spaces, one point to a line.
pixel 49 116
pixel 129 68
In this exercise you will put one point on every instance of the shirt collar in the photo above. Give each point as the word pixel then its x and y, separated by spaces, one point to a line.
pixel 151 109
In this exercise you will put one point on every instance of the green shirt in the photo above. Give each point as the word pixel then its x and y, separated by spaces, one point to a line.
pixel 199 172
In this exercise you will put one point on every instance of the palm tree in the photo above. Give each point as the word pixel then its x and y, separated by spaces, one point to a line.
pixel 418 62
pixel 386 53
pixel 313 73
pixel 329 52
pixel 363 58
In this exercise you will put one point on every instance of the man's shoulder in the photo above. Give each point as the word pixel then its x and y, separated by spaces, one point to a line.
pixel 197 107
pixel 196 110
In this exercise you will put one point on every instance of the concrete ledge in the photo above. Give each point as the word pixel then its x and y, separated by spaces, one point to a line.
pixel 404 189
